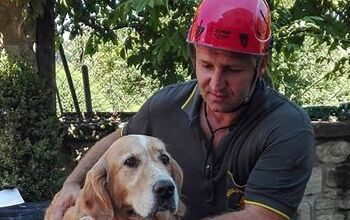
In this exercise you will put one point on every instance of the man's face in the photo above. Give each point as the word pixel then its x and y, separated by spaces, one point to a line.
pixel 224 78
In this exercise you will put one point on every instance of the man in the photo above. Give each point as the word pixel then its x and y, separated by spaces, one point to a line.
pixel 244 149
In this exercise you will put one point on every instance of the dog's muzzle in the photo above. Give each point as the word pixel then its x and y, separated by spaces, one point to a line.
pixel 164 191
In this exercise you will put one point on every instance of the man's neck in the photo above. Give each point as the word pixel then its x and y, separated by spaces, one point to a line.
pixel 222 119
pixel 216 125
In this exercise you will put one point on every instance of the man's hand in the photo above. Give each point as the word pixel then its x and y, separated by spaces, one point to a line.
pixel 62 201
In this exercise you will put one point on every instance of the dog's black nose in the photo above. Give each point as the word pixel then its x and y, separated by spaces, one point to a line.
pixel 164 189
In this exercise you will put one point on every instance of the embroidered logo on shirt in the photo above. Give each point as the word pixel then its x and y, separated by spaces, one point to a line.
pixel 234 194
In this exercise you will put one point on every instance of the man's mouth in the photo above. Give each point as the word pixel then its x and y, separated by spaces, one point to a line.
pixel 220 95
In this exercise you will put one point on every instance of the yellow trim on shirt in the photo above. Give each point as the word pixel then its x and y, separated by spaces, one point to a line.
pixel 189 98
pixel 267 207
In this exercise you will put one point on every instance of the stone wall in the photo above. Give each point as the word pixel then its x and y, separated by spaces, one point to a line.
pixel 327 196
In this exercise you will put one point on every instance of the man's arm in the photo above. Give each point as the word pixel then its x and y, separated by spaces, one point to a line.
pixel 72 186
pixel 91 157
pixel 250 212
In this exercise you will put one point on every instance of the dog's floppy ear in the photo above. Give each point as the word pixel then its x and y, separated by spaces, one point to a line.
pixel 181 210
pixel 96 198
pixel 176 173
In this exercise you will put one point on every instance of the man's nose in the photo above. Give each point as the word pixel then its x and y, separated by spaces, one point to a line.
pixel 217 81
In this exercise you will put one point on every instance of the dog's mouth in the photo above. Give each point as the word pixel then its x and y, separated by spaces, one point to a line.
pixel 165 196
pixel 165 199
pixel 161 206
pixel 130 214
pixel 167 205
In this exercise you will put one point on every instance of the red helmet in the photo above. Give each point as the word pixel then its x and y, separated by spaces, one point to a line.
pixel 241 26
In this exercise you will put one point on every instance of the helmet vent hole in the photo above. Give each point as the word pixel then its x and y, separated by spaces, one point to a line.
pixel 244 40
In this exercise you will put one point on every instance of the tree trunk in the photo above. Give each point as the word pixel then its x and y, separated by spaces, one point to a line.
pixel 17 32
pixel 45 35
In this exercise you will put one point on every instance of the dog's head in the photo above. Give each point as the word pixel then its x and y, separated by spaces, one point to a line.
pixel 137 178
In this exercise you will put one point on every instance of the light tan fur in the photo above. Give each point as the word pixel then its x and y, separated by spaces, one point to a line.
pixel 112 188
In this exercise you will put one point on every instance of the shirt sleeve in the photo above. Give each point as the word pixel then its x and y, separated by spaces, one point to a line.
pixel 278 180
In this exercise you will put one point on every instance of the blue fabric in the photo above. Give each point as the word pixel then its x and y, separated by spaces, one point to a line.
pixel 25 211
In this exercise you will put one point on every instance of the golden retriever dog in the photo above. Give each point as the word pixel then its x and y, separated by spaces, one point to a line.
pixel 135 179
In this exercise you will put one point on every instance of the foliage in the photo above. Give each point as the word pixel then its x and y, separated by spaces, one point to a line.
pixel 153 39
pixel 124 88
pixel 29 136
pixel 304 78
pixel 114 86
pixel 327 21
pixel 329 113
pixel 310 61
pixel 155 31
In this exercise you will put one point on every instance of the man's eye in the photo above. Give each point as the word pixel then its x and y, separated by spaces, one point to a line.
pixel 165 159
pixel 206 66
pixel 131 162
pixel 234 70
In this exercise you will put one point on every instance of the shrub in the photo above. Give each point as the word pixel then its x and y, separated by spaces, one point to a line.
pixel 29 134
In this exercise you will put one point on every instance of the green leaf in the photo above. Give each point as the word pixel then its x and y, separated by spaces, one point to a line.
pixel 139 5
pixel 313 19
pixel 151 3
pixel 91 46
pixel 122 53
pixel 134 60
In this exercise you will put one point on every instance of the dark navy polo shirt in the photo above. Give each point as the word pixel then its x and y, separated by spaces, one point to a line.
pixel 266 158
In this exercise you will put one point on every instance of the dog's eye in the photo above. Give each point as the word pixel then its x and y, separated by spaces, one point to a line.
pixel 165 159
pixel 131 162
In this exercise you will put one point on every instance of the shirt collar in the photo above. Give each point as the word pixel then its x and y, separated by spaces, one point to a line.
pixel 191 105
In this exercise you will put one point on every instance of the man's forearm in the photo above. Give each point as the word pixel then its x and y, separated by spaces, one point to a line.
pixel 250 212
pixel 240 215
pixel 90 158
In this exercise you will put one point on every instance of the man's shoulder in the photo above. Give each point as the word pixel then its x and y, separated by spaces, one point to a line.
pixel 271 105
pixel 174 94
pixel 289 112
pixel 181 88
